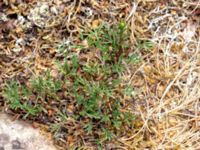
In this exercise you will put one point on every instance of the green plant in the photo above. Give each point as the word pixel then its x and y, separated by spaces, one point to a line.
pixel 111 40
pixel 133 59
pixel 95 85
pixel 17 97
pixel 46 85
pixel 107 134
pixel 11 94
pixel 88 127
pixel 31 110
pixel 61 119
pixel 145 45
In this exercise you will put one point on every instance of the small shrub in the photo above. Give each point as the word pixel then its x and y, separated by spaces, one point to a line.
pixel 95 86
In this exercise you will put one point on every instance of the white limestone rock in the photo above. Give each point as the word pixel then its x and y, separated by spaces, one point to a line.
pixel 16 135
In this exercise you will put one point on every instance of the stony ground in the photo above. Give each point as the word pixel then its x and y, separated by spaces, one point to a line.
pixel 18 135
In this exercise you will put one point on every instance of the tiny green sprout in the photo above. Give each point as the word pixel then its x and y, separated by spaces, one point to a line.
pixel 55 128
pixel 31 110
pixel 88 127
pixel 122 25
pixel 145 45
pixel 129 91
pixel 107 134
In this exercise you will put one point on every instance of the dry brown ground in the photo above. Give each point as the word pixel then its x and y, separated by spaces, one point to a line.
pixel 166 83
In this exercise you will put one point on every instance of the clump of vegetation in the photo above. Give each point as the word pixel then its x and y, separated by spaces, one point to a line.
pixel 18 98
pixel 45 86
pixel 145 45
pixel 94 84
pixel 97 88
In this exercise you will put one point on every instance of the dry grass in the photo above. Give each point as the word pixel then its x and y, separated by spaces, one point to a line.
pixel 169 103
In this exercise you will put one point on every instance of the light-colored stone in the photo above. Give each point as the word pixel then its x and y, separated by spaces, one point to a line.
pixel 16 135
